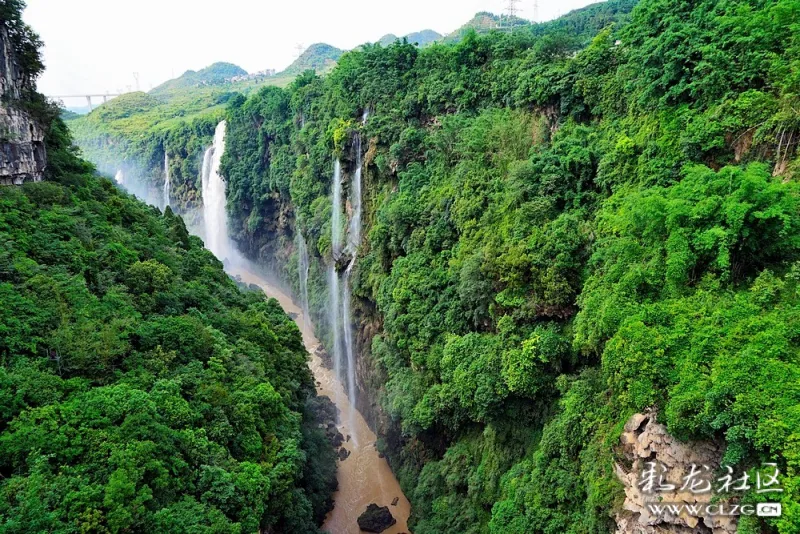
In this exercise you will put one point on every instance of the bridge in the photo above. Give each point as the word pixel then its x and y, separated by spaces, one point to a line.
pixel 104 96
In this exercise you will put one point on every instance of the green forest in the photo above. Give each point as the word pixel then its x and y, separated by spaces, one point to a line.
pixel 141 390
pixel 565 225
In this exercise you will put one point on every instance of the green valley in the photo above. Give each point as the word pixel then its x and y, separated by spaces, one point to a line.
pixel 525 249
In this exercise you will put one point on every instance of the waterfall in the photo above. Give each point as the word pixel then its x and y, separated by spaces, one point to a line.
pixel 336 213
pixel 334 319
pixel 354 229
pixel 302 271
pixel 166 180
pixel 215 218
pixel 353 242
pixel 349 345
pixel 119 177
pixel 340 305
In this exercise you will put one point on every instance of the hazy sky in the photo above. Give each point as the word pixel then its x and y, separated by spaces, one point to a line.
pixel 97 45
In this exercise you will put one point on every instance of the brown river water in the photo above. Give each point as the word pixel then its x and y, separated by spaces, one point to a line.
pixel 363 477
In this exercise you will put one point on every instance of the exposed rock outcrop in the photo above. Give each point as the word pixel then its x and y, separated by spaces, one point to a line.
pixel 22 151
pixel 643 441
pixel 376 519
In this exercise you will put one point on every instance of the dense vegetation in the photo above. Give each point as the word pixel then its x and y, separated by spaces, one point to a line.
pixel 565 225
pixel 140 389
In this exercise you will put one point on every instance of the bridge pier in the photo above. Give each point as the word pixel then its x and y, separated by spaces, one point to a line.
pixel 89 100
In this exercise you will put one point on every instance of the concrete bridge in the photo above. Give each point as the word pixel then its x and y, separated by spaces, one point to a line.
pixel 104 96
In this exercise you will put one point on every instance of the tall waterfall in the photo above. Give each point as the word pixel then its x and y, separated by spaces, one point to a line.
pixel 214 216
pixel 166 179
pixel 119 177
pixel 340 305
pixel 353 241
pixel 336 213
pixel 335 320
pixel 302 271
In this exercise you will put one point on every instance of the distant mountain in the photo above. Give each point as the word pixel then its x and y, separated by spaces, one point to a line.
pixel 215 74
pixel 423 38
pixel 320 57
pixel 580 24
pixel 67 114
pixel 485 22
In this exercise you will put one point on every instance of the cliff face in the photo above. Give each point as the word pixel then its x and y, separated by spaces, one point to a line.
pixel 22 151
pixel 644 440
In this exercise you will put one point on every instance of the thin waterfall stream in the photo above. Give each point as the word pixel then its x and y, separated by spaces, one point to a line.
pixel 166 180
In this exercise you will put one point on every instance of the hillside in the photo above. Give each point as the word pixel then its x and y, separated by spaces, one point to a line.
pixel 142 390
pixel 422 38
pixel 579 24
pixel 482 22
pixel 565 240
pixel 319 57
pixel 215 74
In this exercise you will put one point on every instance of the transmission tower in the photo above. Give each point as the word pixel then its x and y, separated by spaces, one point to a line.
pixel 511 12
pixel 535 10
pixel 136 77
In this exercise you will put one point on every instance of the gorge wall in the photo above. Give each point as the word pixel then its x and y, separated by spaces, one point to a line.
pixel 22 150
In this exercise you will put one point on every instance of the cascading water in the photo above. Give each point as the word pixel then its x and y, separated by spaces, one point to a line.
pixel 166 180
pixel 334 294
pixel 335 320
pixel 336 213
pixel 353 241
pixel 341 320
pixel 302 271
pixel 215 219
pixel 119 177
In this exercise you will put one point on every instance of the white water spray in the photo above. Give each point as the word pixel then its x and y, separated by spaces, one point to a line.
pixel 334 319
pixel 119 177
pixel 353 242
pixel 215 217
pixel 302 271
pixel 166 180
pixel 340 310
pixel 336 213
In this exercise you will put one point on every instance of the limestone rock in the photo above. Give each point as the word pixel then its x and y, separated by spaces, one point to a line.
pixel 22 151
pixel 376 519
pixel 645 440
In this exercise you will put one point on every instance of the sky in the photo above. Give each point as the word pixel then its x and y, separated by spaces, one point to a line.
pixel 96 46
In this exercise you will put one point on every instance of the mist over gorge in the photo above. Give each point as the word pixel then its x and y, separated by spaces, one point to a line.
pixel 511 272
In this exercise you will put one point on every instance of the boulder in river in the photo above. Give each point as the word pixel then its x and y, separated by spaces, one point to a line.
pixel 376 519
pixel 343 454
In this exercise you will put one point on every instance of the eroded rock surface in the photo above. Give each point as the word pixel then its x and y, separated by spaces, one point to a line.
pixel 645 440
pixel 22 151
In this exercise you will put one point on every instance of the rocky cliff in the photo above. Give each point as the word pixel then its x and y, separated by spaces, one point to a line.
pixel 22 151
pixel 646 441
